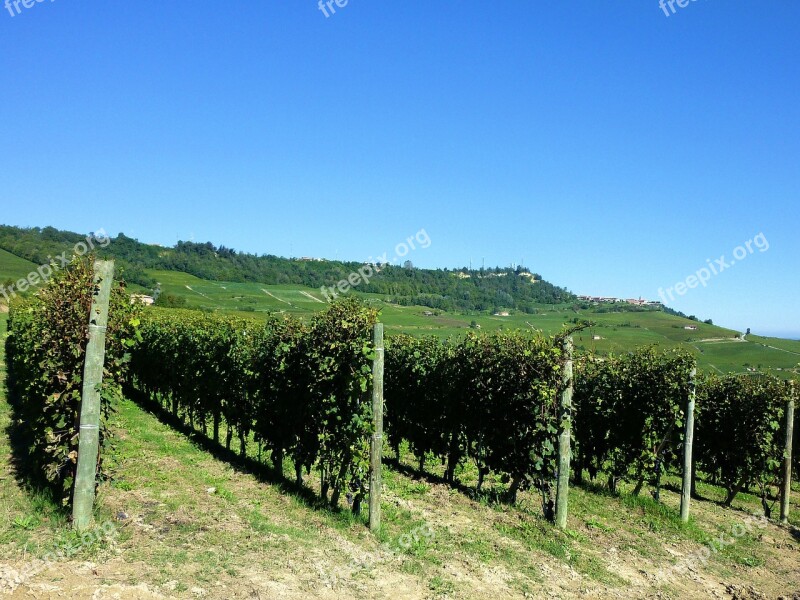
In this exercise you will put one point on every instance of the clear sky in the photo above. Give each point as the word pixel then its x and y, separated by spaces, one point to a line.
pixel 608 146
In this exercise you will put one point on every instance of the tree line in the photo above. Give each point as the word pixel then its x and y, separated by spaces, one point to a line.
pixel 443 289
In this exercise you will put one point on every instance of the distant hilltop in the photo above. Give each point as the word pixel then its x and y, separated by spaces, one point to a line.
pixel 492 290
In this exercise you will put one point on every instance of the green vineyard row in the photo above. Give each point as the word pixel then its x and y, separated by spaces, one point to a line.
pixel 302 391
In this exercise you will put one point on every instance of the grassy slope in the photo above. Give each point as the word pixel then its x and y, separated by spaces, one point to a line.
pixel 194 524
pixel 13 267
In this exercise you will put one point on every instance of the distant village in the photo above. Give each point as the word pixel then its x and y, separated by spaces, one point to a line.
pixel 608 300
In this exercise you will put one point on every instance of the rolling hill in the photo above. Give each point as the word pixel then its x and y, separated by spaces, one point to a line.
pixel 717 349
pixel 444 289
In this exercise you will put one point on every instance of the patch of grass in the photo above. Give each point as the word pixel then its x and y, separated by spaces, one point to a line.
pixel 441 587
pixel 537 534
pixel 658 517
pixel 261 524
pixel 593 567
pixel 13 267
pixel 593 523
pixel 26 522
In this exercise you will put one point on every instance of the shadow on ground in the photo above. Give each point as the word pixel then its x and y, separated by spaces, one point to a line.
pixel 261 471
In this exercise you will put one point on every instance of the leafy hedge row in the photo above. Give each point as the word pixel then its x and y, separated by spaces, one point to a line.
pixel 629 413
pixel 796 441
pixel 301 388
pixel 45 348
pixel 489 398
pixel 629 421
pixel 741 432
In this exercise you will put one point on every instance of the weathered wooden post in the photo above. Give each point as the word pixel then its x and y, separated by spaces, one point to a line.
pixel 786 492
pixel 89 436
pixel 688 442
pixel 376 450
pixel 564 438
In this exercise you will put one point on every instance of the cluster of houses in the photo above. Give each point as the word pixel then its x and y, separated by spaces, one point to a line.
pixel 524 274
pixel 608 300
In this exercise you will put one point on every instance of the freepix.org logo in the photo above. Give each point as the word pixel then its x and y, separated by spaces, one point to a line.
pixel 714 268
pixel 328 7
pixel 13 6
pixel 669 5
pixel 372 268
pixel 41 275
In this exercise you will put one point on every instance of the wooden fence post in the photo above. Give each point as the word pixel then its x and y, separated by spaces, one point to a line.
pixel 786 492
pixel 89 436
pixel 564 438
pixel 376 450
pixel 688 443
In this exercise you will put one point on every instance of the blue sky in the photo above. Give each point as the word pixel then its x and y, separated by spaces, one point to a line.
pixel 609 147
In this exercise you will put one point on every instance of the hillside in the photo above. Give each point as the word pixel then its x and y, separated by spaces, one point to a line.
pixel 444 289
pixel 717 349
pixel 13 268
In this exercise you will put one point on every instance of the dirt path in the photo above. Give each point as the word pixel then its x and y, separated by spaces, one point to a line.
pixel 196 292
pixel 781 349
pixel 268 293
pixel 314 298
